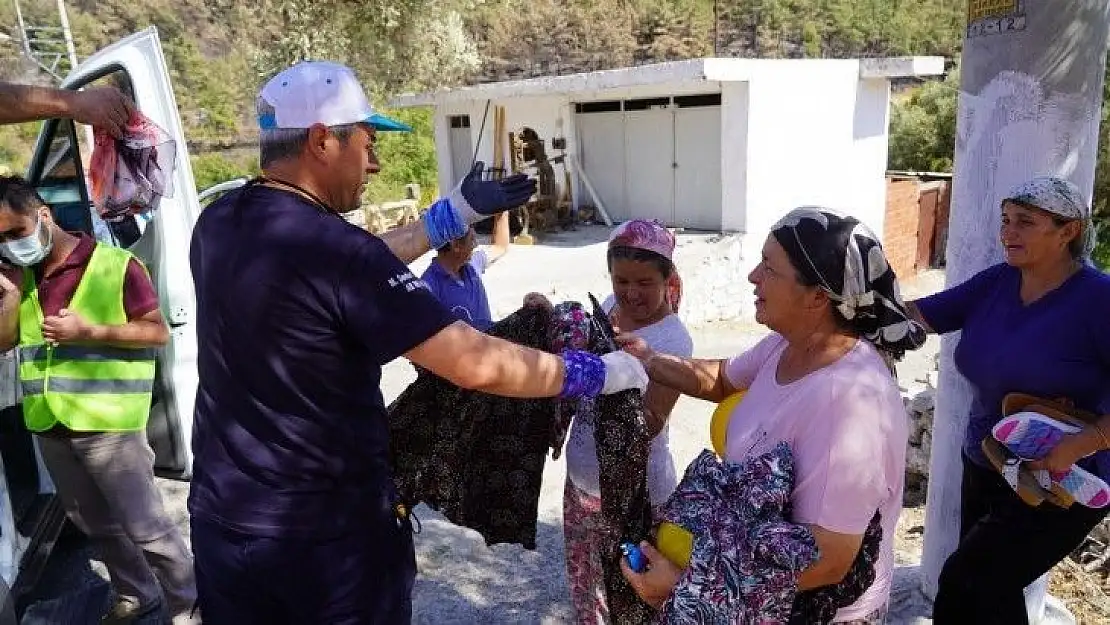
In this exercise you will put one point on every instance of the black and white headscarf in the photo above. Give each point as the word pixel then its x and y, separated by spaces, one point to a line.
pixel 845 259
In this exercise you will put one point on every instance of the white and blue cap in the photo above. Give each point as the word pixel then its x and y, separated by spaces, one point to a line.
pixel 320 92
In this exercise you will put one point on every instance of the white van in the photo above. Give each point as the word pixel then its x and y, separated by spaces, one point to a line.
pixel 30 516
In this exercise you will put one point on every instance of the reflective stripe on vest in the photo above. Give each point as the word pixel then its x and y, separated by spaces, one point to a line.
pixel 87 388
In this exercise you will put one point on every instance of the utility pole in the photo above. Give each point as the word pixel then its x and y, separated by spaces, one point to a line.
pixel 71 51
pixel 67 35
pixel 40 43
pixel 1030 97
pixel 716 25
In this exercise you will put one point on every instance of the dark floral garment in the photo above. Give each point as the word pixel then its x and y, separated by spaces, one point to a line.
pixel 475 457
pixel 820 605
pixel 747 556
pixel 479 458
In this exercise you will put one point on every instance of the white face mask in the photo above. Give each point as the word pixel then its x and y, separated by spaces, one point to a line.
pixel 29 250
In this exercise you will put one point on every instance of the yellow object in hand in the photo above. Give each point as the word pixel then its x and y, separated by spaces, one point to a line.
pixel 674 541
pixel 718 426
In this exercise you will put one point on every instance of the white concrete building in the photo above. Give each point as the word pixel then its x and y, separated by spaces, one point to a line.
pixel 714 144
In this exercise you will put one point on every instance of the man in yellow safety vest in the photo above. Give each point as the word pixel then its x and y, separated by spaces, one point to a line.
pixel 86 319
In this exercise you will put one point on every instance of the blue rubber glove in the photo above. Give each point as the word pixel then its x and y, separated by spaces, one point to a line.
pixel 473 200
pixel 589 375
pixel 477 199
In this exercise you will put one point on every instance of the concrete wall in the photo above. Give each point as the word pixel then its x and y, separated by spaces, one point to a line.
pixel 867 165
pixel 816 136
pixel 735 107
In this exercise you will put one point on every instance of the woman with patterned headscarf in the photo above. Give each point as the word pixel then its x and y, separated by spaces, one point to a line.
pixel 821 383
pixel 645 300
pixel 1039 324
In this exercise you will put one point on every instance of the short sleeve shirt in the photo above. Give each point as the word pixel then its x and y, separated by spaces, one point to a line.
pixel 57 288
pixel 465 294
pixel 1056 347
pixel 848 429
pixel 297 312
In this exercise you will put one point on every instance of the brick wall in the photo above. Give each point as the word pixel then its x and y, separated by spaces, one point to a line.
pixel 900 227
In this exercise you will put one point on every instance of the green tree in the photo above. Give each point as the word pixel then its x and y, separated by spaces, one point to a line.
pixel 210 169
pixel 406 158
pixel 923 127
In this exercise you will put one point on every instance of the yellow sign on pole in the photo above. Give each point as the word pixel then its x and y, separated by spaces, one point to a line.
pixel 978 9
pixel 991 17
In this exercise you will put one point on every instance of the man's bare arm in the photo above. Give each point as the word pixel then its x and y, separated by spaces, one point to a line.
pixel 407 242
pixel 474 360
pixel 102 107
pixel 499 246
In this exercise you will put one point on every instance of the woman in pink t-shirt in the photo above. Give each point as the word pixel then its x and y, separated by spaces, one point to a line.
pixel 822 383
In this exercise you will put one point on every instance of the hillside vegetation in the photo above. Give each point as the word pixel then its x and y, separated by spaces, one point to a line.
pixel 220 52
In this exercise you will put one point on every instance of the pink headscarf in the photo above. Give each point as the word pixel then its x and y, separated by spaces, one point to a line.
pixel 653 237
pixel 645 235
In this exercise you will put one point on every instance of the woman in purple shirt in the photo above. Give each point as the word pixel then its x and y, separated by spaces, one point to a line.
pixel 1034 324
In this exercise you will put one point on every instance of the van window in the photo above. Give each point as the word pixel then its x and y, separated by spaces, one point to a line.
pixel 61 172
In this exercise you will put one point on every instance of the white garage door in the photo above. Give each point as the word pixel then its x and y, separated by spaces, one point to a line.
pixel 655 158
pixel 601 137
pixel 649 163
pixel 697 174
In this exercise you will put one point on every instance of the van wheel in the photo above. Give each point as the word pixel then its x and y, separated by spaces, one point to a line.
pixel 7 605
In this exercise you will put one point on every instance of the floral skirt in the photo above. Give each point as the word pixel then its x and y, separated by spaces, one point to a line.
pixel 582 521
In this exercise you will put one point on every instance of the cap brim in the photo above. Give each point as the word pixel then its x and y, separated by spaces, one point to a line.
pixel 386 124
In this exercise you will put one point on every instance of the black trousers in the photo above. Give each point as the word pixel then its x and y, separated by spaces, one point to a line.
pixel 1004 546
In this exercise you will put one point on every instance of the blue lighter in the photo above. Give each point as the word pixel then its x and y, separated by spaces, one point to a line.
pixel 636 560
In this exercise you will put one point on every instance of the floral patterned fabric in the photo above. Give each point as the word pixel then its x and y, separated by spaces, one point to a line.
pixel 746 558
pixel 644 234
pixel 746 555
pixel 623 445
pixel 583 524
pixel 479 458
pixel 569 329
pixel 820 605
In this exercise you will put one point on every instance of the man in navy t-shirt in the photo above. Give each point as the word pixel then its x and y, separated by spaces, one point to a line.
pixel 455 275
pixel 294 517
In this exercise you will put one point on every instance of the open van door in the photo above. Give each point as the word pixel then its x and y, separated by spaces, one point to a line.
pixel 137 66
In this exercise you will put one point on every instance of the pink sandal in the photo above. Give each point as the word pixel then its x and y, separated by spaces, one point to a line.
pixel 1031 435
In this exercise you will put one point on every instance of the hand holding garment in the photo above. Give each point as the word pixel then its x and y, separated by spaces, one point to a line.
pixel 746 558
pixel 128 175
pixel 623 372
pixel 479 458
